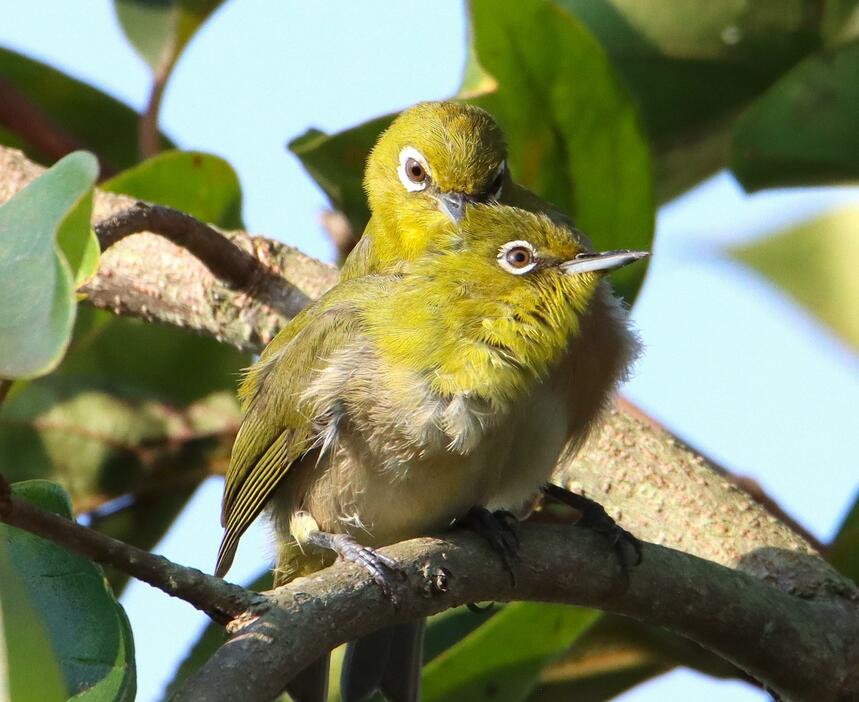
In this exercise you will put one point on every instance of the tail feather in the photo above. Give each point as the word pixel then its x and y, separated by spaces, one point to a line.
pixel 387 661
pixel 311 684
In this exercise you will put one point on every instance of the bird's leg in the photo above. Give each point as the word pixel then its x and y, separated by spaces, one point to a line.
pixel 500 529
pixel 379 566
pixel 595 518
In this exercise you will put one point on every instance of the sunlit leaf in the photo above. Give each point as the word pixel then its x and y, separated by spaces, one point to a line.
pixel 67 604
pixel 160 29
pixel 502 659
pixel 36 281
pixel 814 263
pixel 201 184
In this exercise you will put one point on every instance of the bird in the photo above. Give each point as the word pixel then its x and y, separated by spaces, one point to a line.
pixel 401 400
pixel 434 160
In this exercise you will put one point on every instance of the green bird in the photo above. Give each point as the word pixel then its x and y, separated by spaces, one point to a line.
pixel 434 160
pixel 399 401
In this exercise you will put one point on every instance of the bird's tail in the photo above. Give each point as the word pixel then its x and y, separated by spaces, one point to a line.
pixel 311 684
pixel 388 661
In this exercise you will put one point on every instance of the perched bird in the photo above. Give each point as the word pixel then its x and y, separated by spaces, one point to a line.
pixel 399 401
pixel 434 160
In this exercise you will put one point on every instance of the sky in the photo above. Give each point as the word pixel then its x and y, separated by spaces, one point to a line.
pixel 731 365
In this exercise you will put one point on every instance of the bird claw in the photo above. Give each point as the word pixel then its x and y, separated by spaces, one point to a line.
pixel 379 566
pixel 500 529
pixel 595 518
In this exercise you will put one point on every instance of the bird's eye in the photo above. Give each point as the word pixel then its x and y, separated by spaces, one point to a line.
pixel 517 257
pixel 413 170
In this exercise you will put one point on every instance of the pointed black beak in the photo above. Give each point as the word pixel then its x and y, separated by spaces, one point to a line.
pixel 605 261
pixel 453 204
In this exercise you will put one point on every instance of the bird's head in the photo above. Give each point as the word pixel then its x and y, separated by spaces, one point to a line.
pixel 434 159
pixel 516 281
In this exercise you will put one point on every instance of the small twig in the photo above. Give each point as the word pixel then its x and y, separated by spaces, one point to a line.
pixel 340 231
pixel 221 600
pixel 21 116
pixel 5 386
pixel 149 137
pixel 226 260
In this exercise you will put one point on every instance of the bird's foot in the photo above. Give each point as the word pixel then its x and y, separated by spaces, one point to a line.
pixel 382 569
pixel 595 518
pixel 501 531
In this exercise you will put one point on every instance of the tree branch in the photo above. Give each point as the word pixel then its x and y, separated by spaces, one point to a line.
pixel 223 258
pixel 221 600
pixel 801 649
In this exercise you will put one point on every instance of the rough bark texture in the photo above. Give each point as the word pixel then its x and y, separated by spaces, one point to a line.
pixel 801 649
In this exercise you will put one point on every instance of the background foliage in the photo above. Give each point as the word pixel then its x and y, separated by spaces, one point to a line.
pixel 611 107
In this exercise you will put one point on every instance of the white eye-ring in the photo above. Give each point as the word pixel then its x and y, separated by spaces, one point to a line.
pixel 517 257
pixel 413 169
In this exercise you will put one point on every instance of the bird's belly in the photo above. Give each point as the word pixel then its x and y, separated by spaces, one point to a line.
pixel 384 506
pixel 536 435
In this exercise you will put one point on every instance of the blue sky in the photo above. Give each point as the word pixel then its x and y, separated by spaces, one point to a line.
pixel 731 365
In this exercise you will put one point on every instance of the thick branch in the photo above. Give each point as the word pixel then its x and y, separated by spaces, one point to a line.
pixel 802 649
pixel 221 600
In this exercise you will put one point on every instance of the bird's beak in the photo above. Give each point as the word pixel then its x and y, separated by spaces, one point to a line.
pixel 453 204
pixel 605 261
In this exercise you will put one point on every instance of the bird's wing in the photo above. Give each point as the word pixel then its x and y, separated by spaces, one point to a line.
pixel 360 259
pixel 275 432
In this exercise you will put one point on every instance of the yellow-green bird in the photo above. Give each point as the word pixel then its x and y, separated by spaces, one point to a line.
pixel 434 160
pixel 397 402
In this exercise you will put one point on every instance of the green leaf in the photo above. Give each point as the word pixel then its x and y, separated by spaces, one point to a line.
pixel 692 65
pixel 160 29
pixel 814 263
pixel 36 281
pixel 844 552
pixel 78 241
pixel 502 659
pixel 803 130
pixel 75 640
pixel 571 127
pixel 203 185
pixel 86 115
pixel 336 163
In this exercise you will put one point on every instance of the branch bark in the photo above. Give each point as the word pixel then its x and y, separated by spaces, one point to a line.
pixel 653 484
pixel 803 650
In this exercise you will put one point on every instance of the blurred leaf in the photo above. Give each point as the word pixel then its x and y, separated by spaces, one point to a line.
pixel 501 660
pixel 336 163
pixel 36 281
pixel 201 184
pixel 99 122
pixel 814 263
pixel 804 129
pixel 689 62
pixel 66 628
pixel 844 552
pixel 571 127
pixel 693 65
pixel 160 29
